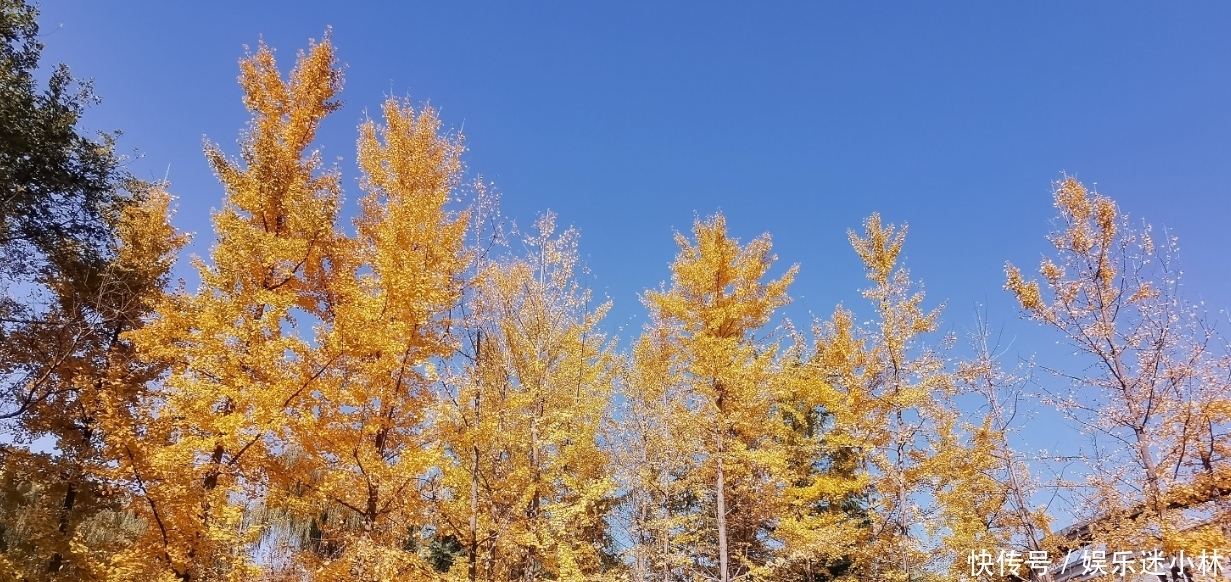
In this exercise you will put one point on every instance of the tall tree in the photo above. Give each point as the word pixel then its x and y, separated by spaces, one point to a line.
pixel 243 358
pixel 92 247
pixel 823 515
pixel 63 512
pixel 1156 395
pixel 60 194
pixel 528 484
pixel 368 443
pixel 988 503
pixel 653 453
pixel 710 316
pixel 895 415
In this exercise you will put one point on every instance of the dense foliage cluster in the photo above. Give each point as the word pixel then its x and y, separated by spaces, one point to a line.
pixel 409 400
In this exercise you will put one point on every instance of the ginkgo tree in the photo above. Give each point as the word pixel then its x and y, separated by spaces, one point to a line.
pixel 704 331
pixel 62 516
pixel 407 396
pixel 1156 398
pixel 893 423
pixel 651 453
pixel 366 450
pixel 528 487
pixel 243 360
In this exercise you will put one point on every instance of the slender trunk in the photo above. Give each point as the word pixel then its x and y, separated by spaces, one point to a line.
pixel 1115 363
pixel 491 556
pixel 70 499
pixel 474 468
pixel 903 498
pixel 664 480
pixel 666 553
pixel 532 512
pixel 640 568
pixel 70 496
pixel 474 517
pixel 639 562
pixel 1016 488
pixel 210 481
pixel 1154 494
pixel 1019 499
pixel 1032 540
pixel 723 575
pixel 721 433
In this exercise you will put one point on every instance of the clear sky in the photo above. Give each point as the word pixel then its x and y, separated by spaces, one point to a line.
pixel 800 119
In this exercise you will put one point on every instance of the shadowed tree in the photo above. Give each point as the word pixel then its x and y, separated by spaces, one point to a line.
pixel 56 184
pixel 63 514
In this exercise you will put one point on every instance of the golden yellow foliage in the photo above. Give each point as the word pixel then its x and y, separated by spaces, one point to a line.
pixel 362 442
pixel 61 516
pixel 899 415
pixel 703 333
pixel 528 488
pixel 241 362
pixel 1156 395
pixel 403 401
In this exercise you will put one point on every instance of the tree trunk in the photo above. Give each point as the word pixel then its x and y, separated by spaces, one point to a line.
pixel 723 575
pixel 474 518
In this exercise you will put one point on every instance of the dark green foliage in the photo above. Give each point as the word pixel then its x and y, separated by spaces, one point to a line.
pixel 319 543
pixel 55 183
pixel 443 552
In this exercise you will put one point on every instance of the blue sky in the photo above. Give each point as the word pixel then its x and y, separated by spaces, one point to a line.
pixel 629 119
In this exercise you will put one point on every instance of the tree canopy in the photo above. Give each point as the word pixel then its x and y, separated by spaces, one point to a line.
pixel 428 393
pixel 56 183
